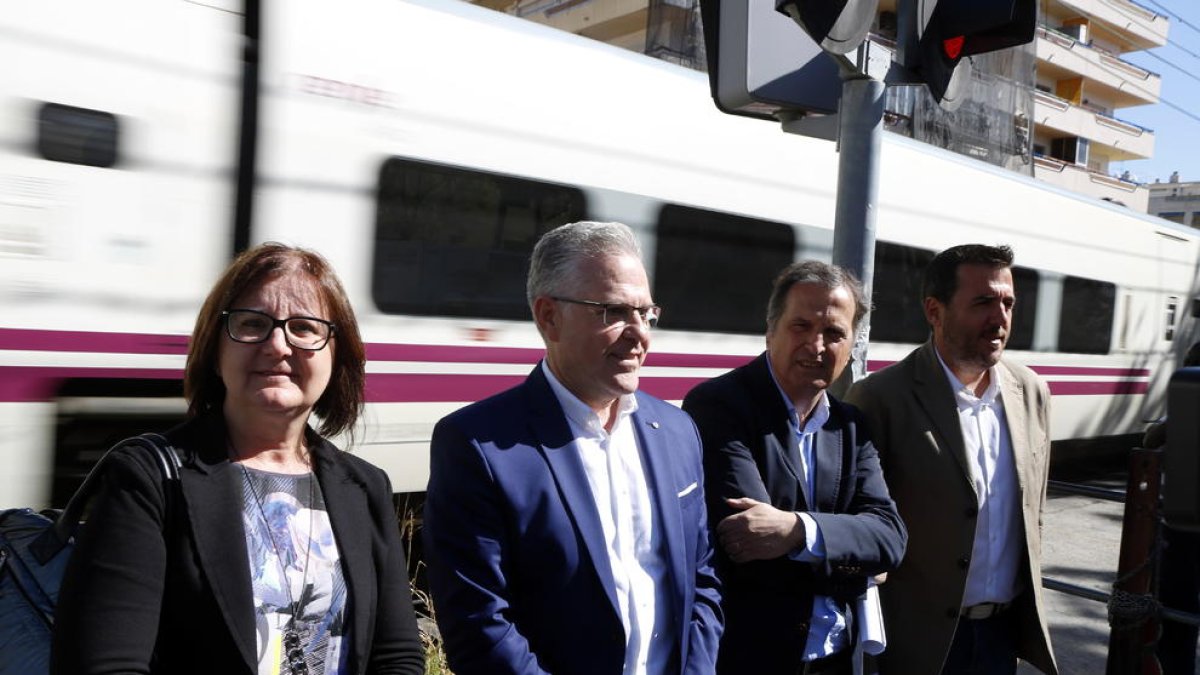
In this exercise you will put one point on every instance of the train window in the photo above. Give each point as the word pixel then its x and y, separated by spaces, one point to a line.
pixel 898 312
pixel 455 242
pixel 77 135
pixel 1172 312
pixel 1025 287
pixel 1086 319
pixel 713 271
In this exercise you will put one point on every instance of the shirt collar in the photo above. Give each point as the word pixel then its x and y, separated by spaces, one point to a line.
pixel 989 394
pixel 580 413
pixel 820 413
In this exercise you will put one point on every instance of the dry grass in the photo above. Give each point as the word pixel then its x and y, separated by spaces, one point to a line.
pixel 435 657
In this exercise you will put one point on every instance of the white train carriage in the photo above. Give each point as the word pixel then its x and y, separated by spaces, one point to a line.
pixel 422 146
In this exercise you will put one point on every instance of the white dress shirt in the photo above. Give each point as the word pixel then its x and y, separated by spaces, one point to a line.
pixel 996 553
pixel 632 532
pixel 827 628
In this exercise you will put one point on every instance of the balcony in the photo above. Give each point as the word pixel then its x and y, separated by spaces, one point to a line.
pixel 1122 22
pixel 1101 186
pixel 1106 77
pixel 1122 140
pixel 607 21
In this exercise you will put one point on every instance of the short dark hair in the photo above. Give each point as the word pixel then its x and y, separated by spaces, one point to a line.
pixel 814 272
pixel 941 275
pixel 342 401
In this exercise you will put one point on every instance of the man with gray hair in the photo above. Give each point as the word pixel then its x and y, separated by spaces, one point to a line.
pixel 796 495
pixel 565 524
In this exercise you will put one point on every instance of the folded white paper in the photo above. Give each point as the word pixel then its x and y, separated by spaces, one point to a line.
pixel 870 622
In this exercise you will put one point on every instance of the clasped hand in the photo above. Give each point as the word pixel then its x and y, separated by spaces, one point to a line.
pixel 759 531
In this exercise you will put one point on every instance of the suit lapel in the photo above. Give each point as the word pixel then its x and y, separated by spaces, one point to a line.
pixel 344 499
pixel 777 418
pixel 1013 395
pixel 212 495
pixel 936 398
pixel 549 425
pixel 827 460
pixel 656 458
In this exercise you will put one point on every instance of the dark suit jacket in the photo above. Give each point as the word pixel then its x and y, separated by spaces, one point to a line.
pixel 914 417
pixel 518 568
pixel 159 584
pixel 751 451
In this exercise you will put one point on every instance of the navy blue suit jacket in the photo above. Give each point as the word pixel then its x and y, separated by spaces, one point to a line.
pixel 518 568
pixel 750 450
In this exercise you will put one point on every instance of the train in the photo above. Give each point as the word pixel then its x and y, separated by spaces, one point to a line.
pixel 422 146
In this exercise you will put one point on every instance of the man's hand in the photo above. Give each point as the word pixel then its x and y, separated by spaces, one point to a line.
pixel 759 532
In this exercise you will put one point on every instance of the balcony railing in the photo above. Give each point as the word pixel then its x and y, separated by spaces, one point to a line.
pixel 1102 118
pixel 1106 58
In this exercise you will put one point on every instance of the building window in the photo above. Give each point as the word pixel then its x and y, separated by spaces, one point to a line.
pixel 77 135
pixel 1072 149
pixel 1086 319
pixel 1173 216
pixel 714 271
pixel 456 242
pixel 898 311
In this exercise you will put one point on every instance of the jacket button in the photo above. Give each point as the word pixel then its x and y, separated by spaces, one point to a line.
pixel 972 511
pixel 964 562
pixel 802 628
pixel 952 613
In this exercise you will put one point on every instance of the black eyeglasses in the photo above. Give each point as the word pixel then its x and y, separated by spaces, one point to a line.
pixel 302 332
pixel 617 314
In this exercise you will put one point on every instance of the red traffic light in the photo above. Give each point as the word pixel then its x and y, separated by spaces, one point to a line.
pixel 953 46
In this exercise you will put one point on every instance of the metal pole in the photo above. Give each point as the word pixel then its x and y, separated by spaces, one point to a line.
pixel 859 134
pixel 247 152
pixel 1132 617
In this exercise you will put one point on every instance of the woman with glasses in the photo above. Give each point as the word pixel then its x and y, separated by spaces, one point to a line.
pixel 276 552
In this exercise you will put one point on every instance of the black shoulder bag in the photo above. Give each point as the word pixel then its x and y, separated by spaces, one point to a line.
pixel 34 549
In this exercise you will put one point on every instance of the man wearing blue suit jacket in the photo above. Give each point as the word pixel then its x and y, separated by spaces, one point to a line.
pixel 796 493
pixel 565 524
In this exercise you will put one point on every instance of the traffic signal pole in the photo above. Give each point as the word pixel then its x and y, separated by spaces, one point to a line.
pixel 860 128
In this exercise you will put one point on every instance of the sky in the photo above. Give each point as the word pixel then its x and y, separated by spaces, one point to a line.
pixel 1176 131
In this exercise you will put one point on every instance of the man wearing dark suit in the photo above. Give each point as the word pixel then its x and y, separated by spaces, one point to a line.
pixel 565 525
pixel 964 439
pixel 795 491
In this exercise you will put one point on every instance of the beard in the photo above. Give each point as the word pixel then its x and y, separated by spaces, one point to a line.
pixel 977 348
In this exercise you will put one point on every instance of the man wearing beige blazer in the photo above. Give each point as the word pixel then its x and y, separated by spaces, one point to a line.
pixel 963 436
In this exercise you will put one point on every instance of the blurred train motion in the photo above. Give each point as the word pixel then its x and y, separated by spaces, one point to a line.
pixel 423 146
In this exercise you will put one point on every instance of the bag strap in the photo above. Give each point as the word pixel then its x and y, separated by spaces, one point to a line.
pixel 49 543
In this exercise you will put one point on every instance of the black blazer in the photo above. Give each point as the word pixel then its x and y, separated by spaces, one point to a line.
pixel 162 584
pixel 750 451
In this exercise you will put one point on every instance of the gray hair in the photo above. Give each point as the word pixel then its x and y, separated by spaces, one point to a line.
pixel 814 272
pixel 552 265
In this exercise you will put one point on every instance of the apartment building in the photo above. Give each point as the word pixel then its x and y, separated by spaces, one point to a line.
pixel 1080 85
pixel 1178 202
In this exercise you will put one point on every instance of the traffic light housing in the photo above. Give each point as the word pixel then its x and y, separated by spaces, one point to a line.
pixel 934 36
pixel 838 26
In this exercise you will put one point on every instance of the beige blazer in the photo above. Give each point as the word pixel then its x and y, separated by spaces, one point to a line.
pixel 912 414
